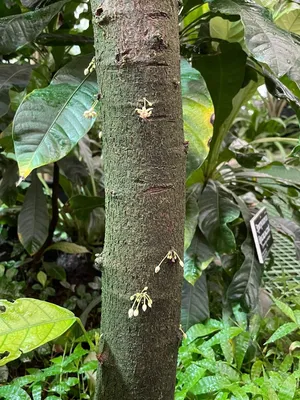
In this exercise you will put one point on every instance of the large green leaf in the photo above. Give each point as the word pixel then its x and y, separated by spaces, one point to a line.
pixel 289 18
pixel 29 323
pixel 283 331
pixel 224 74
pixel 197 112
pixel 33 221
pixel 194 303
pixel 12 75
pixel 19 30
pixel 191 215
pixel 197 258
pixel 266 42
pixel 245 284
pixel 50 121
pixel 217 210
pixel 231 31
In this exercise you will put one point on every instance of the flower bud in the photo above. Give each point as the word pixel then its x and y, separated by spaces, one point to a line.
pixel 157 269
pixel 144 307
pixel 130 313
pixel 136 312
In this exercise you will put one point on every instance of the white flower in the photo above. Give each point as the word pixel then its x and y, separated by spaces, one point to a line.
pixel 130 313
pixel 136 312
pixel 90 114
pixel 144 307
pixel 157 269
pixel 181 263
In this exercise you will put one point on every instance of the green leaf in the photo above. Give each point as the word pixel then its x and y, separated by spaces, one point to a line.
pixel 42 278
pixel 231 31
pixel 194 303
pixel 224 74
pixel 288 388
pixel 37 391
pixel 11 392
pixel 33 221
pixel 70 248
pixel 55 271
pixel 283 331
pixel 245 284
pixel 210 384
pixel 257 369
pixel 58 122
pixel 283 307
pixel 19 30
pixel 201 330
pixel 8 189
pixel 191 376
pixel 29 323
pixel 289 18
pixel 197 112
pixel 12 76
pixel 241 347
pixel 216 212
pixel 197 258
pixel 266 42
pixel 82 206
pixel 191 215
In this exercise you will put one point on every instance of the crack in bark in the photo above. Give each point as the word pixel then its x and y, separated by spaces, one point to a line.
pixel 158 189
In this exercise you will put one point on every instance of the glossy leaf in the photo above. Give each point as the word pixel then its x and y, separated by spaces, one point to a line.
pixel 283 331
pixel 82 206
pixel 210 384
pixel 266 42
pixel 288 388
pixel 33 221
pixel 50 121
pixel 201 330
pixel 13 393
pixel 29 323
pixel 197 258
pixel 197 112
pixel 216 212
pixel 194 303
pixel 19 30
pixel 66 247
pixel 12 76
pixel 283 307
pixel 224 74
pixel 245 284
pixel 191 215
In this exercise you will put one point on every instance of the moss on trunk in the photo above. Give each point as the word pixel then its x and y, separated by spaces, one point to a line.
pixel 137 57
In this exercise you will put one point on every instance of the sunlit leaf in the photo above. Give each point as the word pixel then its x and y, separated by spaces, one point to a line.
pixel 29 323
pixel 66 247
pixel 283 331
pixel 197 112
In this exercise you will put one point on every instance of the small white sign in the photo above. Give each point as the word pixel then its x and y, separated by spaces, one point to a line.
pixel 262 235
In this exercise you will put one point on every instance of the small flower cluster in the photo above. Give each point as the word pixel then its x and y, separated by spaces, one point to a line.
pixel 138 299
pixel 91 67
pixel 91 113
pixel 173 257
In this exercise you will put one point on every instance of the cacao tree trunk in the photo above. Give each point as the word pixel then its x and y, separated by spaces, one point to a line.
pixel 138 69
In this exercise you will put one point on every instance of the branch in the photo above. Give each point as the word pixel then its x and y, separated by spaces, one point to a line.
pixel 56 39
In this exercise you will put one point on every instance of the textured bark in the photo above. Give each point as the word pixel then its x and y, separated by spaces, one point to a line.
pixel 137 56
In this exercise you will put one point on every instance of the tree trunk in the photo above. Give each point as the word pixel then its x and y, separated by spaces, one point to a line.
pixel 137 58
